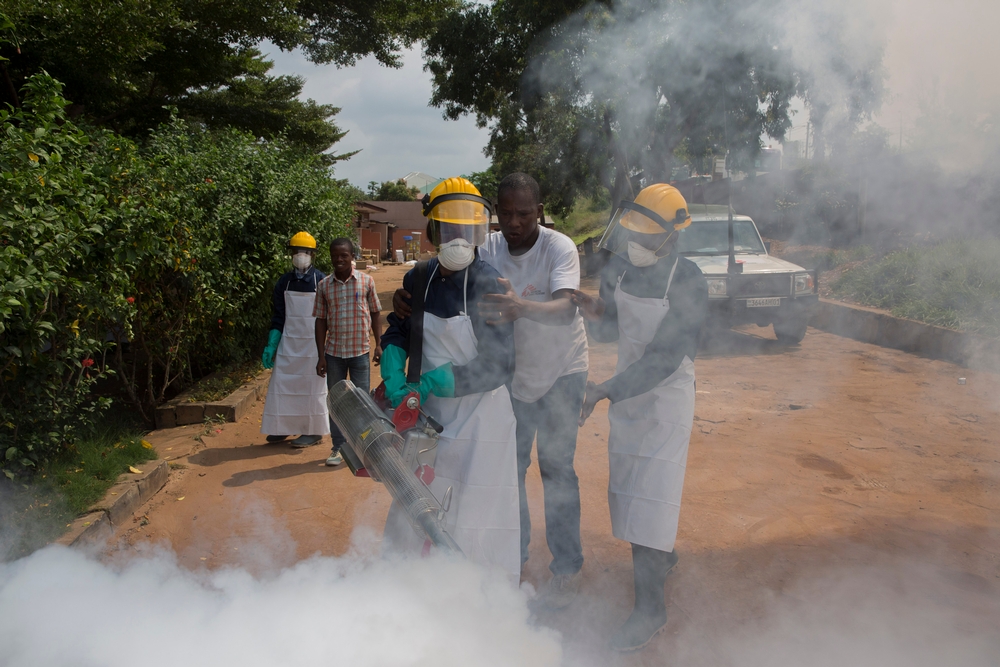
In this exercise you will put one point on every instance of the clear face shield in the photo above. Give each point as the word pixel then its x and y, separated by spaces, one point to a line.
pixel 637 232
pixel 457 217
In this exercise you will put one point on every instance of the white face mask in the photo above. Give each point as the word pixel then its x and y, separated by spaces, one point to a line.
pixel 456 255
pixel 641 256
pixel 301 260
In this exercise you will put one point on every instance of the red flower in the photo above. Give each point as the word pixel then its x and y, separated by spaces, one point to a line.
pixel 208 180
pixel 131 299
pixel 220 322
pixel 87 363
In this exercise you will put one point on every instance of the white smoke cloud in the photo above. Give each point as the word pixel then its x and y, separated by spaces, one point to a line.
pixel 59 607
pixel 941 60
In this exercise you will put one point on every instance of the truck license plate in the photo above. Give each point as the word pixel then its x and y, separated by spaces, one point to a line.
pixel 769 302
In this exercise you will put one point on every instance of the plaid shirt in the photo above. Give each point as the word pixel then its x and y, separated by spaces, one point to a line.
pixel 347 308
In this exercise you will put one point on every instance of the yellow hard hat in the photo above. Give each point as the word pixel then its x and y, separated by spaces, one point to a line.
pixel 658 208
pixel 455 209
pixel 302 240
pixel 458 201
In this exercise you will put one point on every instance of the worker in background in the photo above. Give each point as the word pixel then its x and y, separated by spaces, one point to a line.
pixel 653 302
pixel 465 364
pixel 347 310
pixel 296 398
pixel 541 268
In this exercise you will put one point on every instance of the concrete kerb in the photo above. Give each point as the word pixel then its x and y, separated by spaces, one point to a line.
pixel 879 328
pixel 133 490
pixel 179 411
pixel 117 506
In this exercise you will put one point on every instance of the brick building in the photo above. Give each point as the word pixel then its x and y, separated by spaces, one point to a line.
pixel 401 218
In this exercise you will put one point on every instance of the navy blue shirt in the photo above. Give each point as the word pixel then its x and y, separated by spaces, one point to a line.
pixel 677 335
pixel 292 283
pixel 494 365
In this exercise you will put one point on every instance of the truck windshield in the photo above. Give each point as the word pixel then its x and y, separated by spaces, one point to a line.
pixel 711 237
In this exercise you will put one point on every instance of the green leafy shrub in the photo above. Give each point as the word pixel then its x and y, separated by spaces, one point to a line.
pixel 154 262
pixel 953 284
pixel 205 220
pixel 56 204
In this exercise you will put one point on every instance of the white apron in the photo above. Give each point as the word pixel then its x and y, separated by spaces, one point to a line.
pixel 296 395
pixel 476 456
pixel 648 443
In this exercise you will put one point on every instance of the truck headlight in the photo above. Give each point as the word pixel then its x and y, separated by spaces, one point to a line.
pixel 803 283
pixel 717 287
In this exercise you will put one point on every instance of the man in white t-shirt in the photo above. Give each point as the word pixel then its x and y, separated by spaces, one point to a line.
pixel 541 268
pixel 550 367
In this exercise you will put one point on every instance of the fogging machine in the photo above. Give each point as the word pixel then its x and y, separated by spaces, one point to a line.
pixel 394 447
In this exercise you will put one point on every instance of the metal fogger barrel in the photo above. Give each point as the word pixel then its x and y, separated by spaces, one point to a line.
pixel 374 440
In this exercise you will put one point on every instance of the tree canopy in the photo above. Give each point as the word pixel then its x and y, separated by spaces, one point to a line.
pixel 124 61
pixel 585 94
pixel 392 191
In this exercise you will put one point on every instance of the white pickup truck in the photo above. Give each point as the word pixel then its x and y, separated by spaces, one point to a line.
pixel 768 290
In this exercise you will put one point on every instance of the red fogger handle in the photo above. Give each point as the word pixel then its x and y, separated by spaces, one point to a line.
pixel 405 417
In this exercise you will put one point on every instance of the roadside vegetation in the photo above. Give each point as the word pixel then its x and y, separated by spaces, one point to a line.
pixel 588 217
pixel 33 514
pixel 954 284
pixel 129 270
pixel 148 187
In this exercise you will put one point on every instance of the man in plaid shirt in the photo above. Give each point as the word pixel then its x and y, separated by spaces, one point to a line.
pixel 346 309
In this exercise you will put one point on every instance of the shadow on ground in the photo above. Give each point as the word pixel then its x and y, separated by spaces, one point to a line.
pixel 217 456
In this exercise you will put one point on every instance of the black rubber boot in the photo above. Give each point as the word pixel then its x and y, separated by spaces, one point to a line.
pixel 276 438
pixel 649 617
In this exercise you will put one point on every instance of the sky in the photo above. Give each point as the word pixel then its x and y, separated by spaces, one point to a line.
pixel 387 116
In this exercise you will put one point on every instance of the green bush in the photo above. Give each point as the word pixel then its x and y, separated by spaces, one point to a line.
pixel 205 220
pixel 56 203
pixel 588 217
pixel 954 284
pixel 154 262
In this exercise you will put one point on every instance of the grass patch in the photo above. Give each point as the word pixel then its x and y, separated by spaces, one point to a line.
pixel 36 511
pixel 92 465
pixel 588 217
pixel 954 284
pixel 32 514
pixel 225 382
pixel 831 259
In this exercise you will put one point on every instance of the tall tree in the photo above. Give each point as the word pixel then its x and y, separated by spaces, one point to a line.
pixel 123 61
pixel 392 191
pixel 617 93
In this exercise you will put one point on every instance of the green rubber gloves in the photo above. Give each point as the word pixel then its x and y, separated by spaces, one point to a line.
pixel 440 382
pixel 394 374
pixel 272 348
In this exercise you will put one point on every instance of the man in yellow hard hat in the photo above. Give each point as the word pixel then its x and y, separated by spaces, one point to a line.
pixel 540 268
pixel 296 397
pixel 653 302
pixel 460 365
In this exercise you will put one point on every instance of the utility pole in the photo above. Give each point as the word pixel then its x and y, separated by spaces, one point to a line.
pixel 806 157
pixel 731 266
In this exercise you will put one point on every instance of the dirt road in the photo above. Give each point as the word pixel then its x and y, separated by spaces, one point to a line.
pixel 830 457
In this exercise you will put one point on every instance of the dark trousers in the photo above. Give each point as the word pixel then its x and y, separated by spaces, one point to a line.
pixel 553 418
pixel 339 368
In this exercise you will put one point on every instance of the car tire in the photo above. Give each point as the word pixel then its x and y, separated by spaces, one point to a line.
pixel 791 331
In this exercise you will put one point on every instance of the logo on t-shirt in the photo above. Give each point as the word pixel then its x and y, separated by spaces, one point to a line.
pixel 531 290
